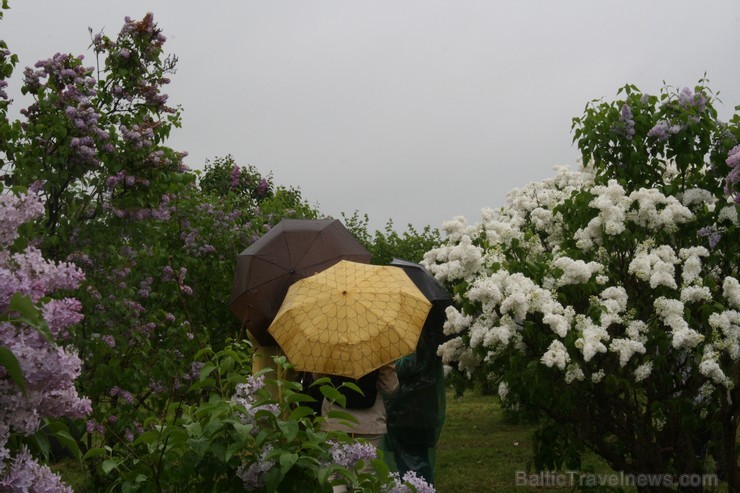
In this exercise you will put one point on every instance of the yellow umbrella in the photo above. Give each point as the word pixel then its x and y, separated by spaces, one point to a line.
pixel 350 319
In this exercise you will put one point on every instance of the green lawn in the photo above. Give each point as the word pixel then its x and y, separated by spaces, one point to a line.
pixel 480 451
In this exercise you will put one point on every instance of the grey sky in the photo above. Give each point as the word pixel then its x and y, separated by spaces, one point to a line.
pixel 418 110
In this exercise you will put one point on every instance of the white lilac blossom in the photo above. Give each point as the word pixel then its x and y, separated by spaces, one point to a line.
pixel 695 294
pixel 455 322
pixel 460 261
pixel 626 349
pixel 728 323
pixel 575 271
pixel 503 391
pixel 656 211
pixel 615 299
pixel 503 295
pixel 643 371
pixel 710 368
pixel 671 313
pixel 592 338
pixel 691 263
pixel 731 291
pixel 597 376
pixel 612 204
pixel 556 355
pixel 729 215
pixel 698 197
pixel 573 373
pixel 560 323
pixel 501 334
pixel 655 266
pixel 455 350
pixel 456 228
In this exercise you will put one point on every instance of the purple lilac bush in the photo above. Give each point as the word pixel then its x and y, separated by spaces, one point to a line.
pixel 49 367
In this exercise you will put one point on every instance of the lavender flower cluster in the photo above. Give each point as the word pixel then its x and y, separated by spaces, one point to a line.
pixel 410 478
pixel 49 370
pixel 246 395
pixel 733 178
pixel 350 454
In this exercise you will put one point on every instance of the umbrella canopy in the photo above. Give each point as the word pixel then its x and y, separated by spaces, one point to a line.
pixel 350 319
pixel 291 250
pixel 436 293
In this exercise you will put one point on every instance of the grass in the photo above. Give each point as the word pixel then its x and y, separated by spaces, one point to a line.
pixel 480 451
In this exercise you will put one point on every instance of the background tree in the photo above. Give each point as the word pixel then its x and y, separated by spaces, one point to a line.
pixel 389 244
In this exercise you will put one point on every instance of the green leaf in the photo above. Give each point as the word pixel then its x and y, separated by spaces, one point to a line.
pixel 286 462
pixel 300 412
pixel 333 394
pixel 289 429
pixel 10 362
pixel 30 314
pixel 108 465
pixel 60 431
pixel 94 452
pixel 206 370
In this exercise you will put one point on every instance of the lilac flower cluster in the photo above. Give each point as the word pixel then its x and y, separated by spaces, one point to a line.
pixel 712 235
pixel 625 118
pixel 254 474
pixel 49 371
pixel 410 478
pixel 246 396
pixel 663 130
pixel 350 454
pixel 689 99
pixel 76 88
pixel 25 474
pixel 235 175
pixel 733 178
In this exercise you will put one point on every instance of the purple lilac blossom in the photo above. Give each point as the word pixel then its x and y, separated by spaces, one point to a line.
pixel 235 176
pixel 663 130
pixel 733 177
pixel 626 118
pixel 410 478
pixel 49 370
pixel 350 454
pixel 27 475
pixel 253 475
pixel 712 234
pixel 245 395
pixel 262 187
pixel 687 99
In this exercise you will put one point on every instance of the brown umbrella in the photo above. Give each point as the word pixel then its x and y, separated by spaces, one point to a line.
pixel 291 250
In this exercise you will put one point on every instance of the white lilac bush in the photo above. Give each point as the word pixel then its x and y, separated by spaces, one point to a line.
pixel 606 300
pixel 38 381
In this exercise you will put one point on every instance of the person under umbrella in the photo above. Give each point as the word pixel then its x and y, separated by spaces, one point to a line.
pixel 289 251
pixel 416 413
pixel 353 320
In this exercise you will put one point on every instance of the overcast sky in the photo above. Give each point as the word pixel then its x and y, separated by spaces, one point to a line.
pixel 411 110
